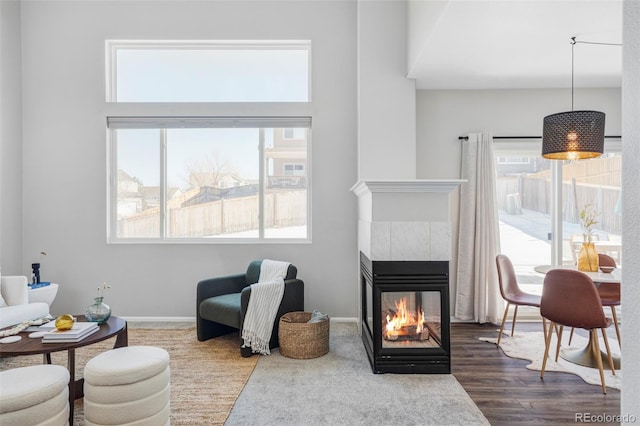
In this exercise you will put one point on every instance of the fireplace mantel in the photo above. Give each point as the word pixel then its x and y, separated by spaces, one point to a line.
pixel 363 187
pixel 405 219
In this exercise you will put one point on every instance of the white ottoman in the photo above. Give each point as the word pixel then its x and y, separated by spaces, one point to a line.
pixel 127 386
pixel 35 395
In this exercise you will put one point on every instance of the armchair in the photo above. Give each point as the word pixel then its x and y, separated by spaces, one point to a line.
pixel 221 303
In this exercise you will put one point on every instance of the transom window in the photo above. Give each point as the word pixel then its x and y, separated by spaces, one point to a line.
pixel 208 71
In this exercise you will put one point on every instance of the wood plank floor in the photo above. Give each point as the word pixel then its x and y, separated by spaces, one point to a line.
pixel 507 393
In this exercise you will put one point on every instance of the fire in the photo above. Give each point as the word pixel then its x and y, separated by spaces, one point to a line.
pixel 401 323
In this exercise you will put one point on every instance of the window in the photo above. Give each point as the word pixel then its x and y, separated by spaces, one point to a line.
pixel 237 173
pixel 513 160
pixel 292 133
pixel 294 169
pixel 208 71
pixel 185 179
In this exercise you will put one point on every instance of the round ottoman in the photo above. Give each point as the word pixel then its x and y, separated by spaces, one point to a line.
pixel 35 395
pixel 128 385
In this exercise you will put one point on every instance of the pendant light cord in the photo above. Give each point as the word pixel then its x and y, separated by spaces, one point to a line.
pixel 573 44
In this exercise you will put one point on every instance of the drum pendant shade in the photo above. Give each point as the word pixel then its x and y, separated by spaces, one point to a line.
pixel 573 135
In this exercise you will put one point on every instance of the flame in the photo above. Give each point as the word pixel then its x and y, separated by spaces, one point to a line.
pixel 402 319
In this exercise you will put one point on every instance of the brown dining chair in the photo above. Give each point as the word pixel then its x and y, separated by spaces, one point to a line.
pixel 570 298
pixel 513 295
pixel 609 294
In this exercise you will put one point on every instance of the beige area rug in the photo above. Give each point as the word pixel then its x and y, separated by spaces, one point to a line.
pixel 206 377
pixel 530 346
pixel 339 389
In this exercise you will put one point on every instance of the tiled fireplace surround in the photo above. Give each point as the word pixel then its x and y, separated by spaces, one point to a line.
pixel 404 219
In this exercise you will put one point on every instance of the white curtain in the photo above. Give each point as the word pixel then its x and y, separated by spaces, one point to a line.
pixel 477 295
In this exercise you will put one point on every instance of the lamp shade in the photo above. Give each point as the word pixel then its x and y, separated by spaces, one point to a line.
pixel 573 135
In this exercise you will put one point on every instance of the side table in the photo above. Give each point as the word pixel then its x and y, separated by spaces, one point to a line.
pixel 43 294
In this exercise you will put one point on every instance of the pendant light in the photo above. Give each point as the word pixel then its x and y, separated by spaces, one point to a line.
pixel 573 135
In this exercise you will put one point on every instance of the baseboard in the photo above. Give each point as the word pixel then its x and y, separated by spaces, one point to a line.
pixel 186 322
pixel 172 322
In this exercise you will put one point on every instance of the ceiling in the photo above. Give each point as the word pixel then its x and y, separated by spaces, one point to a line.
pixel 511 44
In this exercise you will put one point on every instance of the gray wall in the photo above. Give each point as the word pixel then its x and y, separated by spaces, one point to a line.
pixel 65 153
pixel 10 137
pixel 630 202
pixel 386 98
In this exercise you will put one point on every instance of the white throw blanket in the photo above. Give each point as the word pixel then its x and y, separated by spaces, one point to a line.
pixel 264 302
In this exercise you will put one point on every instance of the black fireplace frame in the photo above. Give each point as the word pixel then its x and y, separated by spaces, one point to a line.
pixel 404 276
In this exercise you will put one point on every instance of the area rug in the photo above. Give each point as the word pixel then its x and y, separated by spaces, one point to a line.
pixel 206 377
pixel 339 388
pixel 530 346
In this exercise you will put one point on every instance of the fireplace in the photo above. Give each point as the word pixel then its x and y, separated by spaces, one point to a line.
pixel 405 315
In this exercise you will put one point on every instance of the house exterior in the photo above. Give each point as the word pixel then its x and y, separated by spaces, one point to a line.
pixel 287 158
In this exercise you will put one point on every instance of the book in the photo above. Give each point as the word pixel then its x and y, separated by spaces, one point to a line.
pixel 79 331
pixel 70 339
pixel 33 286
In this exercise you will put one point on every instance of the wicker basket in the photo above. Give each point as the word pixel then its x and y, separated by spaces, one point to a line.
pixel 300 339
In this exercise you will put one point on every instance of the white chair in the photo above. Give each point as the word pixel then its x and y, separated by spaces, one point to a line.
pixel 34 395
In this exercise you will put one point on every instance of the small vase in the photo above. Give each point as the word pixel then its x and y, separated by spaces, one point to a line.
pixel 588 258
pixel 98 311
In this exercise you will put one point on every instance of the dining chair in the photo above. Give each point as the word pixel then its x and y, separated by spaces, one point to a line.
pixel 513 295
pixel 609 294
pixel 570 298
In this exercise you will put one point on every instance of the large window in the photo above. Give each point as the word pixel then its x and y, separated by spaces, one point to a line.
pixel 206 182
pixel 237 170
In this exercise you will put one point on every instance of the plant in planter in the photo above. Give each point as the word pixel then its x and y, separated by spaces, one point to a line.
pixel 98 311
pixel 588 257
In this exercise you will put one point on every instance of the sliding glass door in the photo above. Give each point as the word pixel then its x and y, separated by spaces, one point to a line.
pixel 525 193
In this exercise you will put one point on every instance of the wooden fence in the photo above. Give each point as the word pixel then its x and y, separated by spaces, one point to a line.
pixel 215 218
pixel 534 193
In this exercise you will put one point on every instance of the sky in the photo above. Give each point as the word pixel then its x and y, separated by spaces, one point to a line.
pixel 187 150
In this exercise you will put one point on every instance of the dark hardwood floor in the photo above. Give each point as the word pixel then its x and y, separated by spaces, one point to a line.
pixel 507 393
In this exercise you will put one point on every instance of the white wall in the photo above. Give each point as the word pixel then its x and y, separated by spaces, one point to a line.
pixel 630 203
pixel 444 115
pixel 10 138
pixel 386 98
pixel 65 152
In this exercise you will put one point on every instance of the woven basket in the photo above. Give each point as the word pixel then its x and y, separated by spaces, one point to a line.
pixel 300 339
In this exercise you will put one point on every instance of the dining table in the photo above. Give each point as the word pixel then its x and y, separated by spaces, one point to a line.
pixel 587 356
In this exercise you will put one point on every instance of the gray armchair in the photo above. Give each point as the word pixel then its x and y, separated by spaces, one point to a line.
pixel 221 303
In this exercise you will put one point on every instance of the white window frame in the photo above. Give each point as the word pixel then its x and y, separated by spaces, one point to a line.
pixel 206 111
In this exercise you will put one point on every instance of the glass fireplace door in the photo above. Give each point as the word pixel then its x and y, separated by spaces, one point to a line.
pixel 411 319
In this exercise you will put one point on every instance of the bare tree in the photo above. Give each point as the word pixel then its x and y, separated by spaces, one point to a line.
pixel 208 170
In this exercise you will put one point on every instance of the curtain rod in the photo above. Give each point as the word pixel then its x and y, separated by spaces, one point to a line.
pixel 466 138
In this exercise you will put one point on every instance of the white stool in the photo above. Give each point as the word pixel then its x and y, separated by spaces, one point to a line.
pixel 127 385
pixel 35 395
